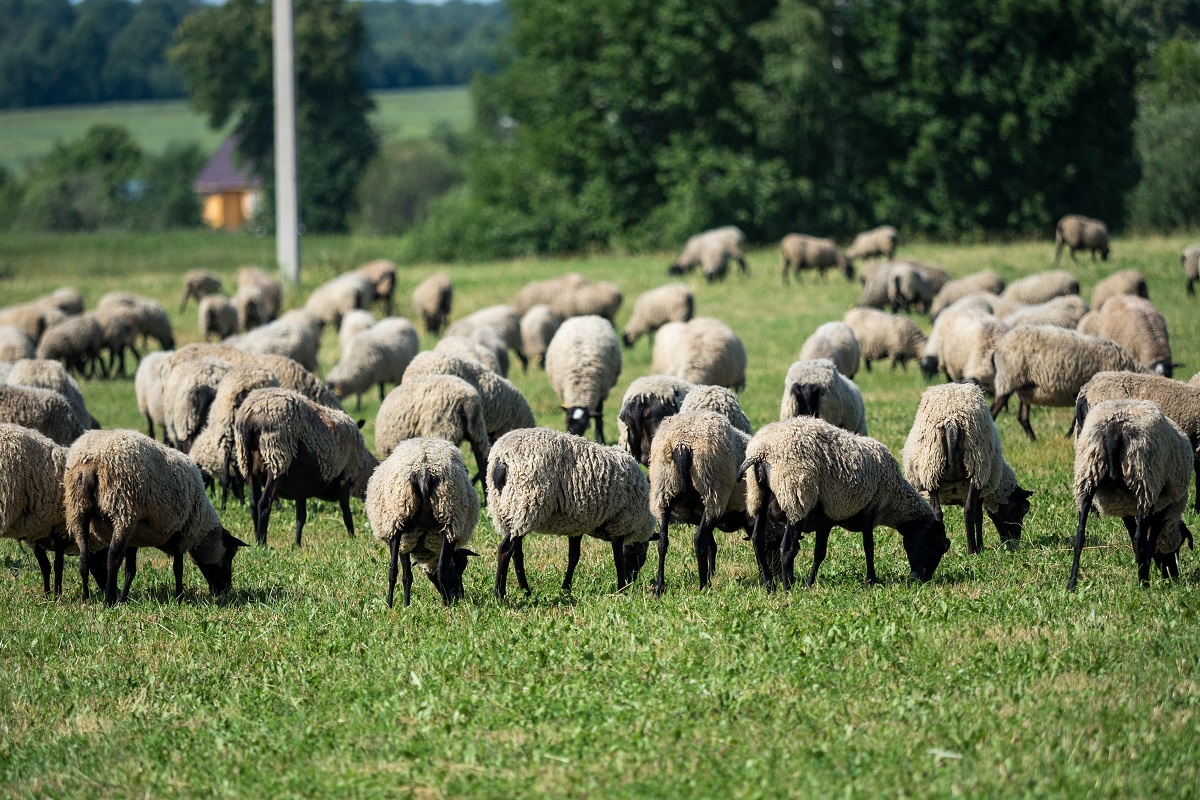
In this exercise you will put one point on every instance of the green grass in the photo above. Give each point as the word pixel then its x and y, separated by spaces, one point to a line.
pixel 28 134
pixel 989 681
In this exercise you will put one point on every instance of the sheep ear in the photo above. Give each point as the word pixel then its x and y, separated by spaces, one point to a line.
pixel 229 540
pixel 468 553
pixel 360 423
pixel 742 469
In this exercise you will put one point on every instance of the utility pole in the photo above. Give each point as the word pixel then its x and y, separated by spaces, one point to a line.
pixel 287 204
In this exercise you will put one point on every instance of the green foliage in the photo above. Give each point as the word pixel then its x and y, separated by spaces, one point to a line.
pixel 399 185
pixel 419 44
pixel 1168 197
pixel 1176 78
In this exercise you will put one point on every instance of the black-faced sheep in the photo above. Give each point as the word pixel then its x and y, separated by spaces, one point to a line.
pixel 199 283
pixel 504 320
pixel 703 397
pixel 653 309
pixel 42 374
pixel 432 300
pixel 377 356
pixel 1062 312
pixel 538 326
pixel 270 293
pixel 382 275
pixel 835 341
pixel 1040 287
pixel 216 316
pixel 435 407
pixel 1126 281
pixel 712 250
pixel 1134 323
pixel 504 407
pixel 817 389
pixel 583 363
pixel 42 410
pixel 647 402
pixel 703 350
pixel 883 335
pixel 986 281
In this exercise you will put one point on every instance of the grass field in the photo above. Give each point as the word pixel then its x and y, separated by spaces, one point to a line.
pixel 30 133
pixel 989 681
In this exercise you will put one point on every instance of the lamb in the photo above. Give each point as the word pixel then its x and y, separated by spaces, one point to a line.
pixel 986 281
pixel 1062 312
pixel 704 350
pixel 816 389
pixel 148 389
pixel 14 344
pixel 353 323
pixel 545 481
pixel 43 374
pixel 720 400
pixel 965 341
pixel 469 349
pixel 42 410
pixel 647 402
pixel 1126 281
pixel 712 250
pixel 1040 287
pixel 810 475
pixel 1134 323
pixel 1189 259
pixel 292 448
pixel 75 341
pixel 432 300
pixel 330 301
pixel 908 288
pixel 1132 462
pixel 217 316
pixel 269 294
pixel 504 407
pixel 883 335
pixel 434 407
pixel 583 363
pixel 296 335
pixel 800 251
pixel 421 503
pixel 1047 366
pixel 199 283
pixel 953 456
pixel 879 241
pixel 1080 233
pixel 382 275
pixel 503 319
pixel 653 309
pixel 835 341
pixel 538 326
pixel 376 356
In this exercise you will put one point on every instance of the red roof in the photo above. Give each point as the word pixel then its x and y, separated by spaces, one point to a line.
pixel 222 173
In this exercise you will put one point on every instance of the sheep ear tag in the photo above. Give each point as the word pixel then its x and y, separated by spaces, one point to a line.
pixel 578 414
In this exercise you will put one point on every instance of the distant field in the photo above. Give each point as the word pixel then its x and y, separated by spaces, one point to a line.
pixel 29 134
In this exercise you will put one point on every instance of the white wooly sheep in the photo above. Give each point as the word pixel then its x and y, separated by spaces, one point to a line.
pixel 601 299
pixel 117 335
pixel 799 251
pixel 809 475
pixel 647 402
pixel 250 304
pixel 468 349
pixel 14 344
pixel 503 319
pixel 353 323
pixel 376 356
pixel 1078 232
pixel 492 347
pixel 538 326
pixel 42 410
pixel 694 478
pixel 148 384
pixel 1126 281
pixel 292 448
pixel 77 342
pixel 704 350
pixel 909 288
pixel 65 298
pixel 1062 312
pixel 421 504
pixel 333 299
pixel 433 407
pixel 216 316
pixel 835 341
pixel 986 302
pixel 1133 462
pixel 583 363
pixel 125 491
pixel 816 389
pixel 673 302
pixel 31 319
pixel 719 399
pixel 213 447
pixel 987 281
pixel 199 283
pixel 712 250
pixel 1040 287
pixel 291 375
pixel 148 318
pixel 953 456
pixel 665 343
pixel 548 292
pixel 544 481
pixel 296 335
pixel 883 335
pixel 962 344
pixel 189 388
pixel 382 275
pixel 269 295
pixel 879 241
pixel 42 374
pixel 1134 323
pixel 1189 259
pixel 504 407
pixel 1047 366
pixel 432 300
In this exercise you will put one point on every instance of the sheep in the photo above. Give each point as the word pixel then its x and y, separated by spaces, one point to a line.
pixel 148 389
pixel 353 323
pixel 503 319
pixel 1126 281
pixel 434 407
pixel 953 456
pixel 876 281
pixel 66 299
pixel 908 288
pixel 148 318
pixel 879 241
pixel 883 335
pixel 810 475
pixel 296 335
pixel 382 275
pixel 1062 312
pixel 800 251
pixel 432 300
pixel 964 341
pixel 251 305
pixel 538 326
pixel 269 295
pixel 1078 232
pixel 31 319
pixel 504 407
pixel 42 410
pixel 711 250
pixel 14 344
pixel 648 401
pixel 544 481
pixel 816 389
pixel 290 447
pixel 217 316
pixel 548 292
pixel 672 302
pixel 1047 366
pixel 376 356
pixel 1189 259
pixel 986 281
pixel 835 341
pixel 126 491
pixel 421 503
pixel 199 283
pixel 291 374
pixel 1040 287
pixel 75 341
pixel 1133 462
pixel 986 302
pixel 189 388
pixel 469 349
pixel 666 342
pixel 1134 323
pixel 601 299
pixel 693 477
pixel 117 334
pixel 330 301
pixel 43 374
pixel 704 350
pixel 932 271
pixel 720 400
pixel 583 363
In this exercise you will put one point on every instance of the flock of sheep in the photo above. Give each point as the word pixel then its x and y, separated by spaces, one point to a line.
pixel 249 411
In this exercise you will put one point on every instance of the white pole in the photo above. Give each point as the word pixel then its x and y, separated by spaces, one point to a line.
pixel 287 205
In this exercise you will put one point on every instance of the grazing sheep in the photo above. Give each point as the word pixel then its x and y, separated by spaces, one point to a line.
pixel 963 342
pixel 1062 312
pixel 712 250
pixel 42 374
pixel 879 241
pixel 704 350
pixel 1134 323
pixel 75 341
pixel 66 299
pixel 42 410
pixel 800 252
pixel 1080 233
pixel 421 503
pixel 217 316
pixel 269 295
pixel 14 344
pixel 1132 462
pixel 718 399
pixel 601 299
pixel 199 283
pixel 1189 259
pixel 148 388
pixel 291 374
pixel 116 335
pixel 986 302
pixel 330 301
pixel 504 407
pixel 987 281
pixel 666 341
pixel 538 326
pixel 648 401
pixel 908 287
pixel 432 300
pixel 876 281
pixel 382 275
pixel 953 456
pixel 883 335
pixel 31 319
pixel 147 318
pixel 540 480
pixel 376 356
pixel 548 292
pixel 502 319
pixel 295 335
pixel 810 475
pixel 433 407
pixel 1041 287
pixel 653 309
pixel 583 363
pixel 835 341
pixel 251 306
pixel 933 272
pixel 125 491
pixel 1126 281
pixel 188 391
pixel 1047 366
pixel 816 389
pixel 469 349
pixel 353 323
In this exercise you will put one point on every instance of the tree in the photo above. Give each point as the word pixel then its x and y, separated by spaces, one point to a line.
pixel 225 55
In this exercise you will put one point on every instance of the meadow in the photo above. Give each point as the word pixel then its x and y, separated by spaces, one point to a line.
pixel 990 680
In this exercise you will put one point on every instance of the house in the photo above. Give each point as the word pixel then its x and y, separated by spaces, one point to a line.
pixel 230 193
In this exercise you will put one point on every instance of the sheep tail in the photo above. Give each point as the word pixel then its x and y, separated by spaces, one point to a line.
pixel 689 308
pixel 808 399
pixel 498 475
pixel 1114 447
pixel 83 487
pixel 682 456
pixel 949 438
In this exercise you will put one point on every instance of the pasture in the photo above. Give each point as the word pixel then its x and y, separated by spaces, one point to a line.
pixel 989 681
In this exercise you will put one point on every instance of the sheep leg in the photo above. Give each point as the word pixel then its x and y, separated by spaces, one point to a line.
pixel 84 575
pixel 1191 288
pixel 503 554
pixel 742 268
pixel 935 502
pixel 1000 404
pixel 446 573
pixel 1144 551
pixel 970 507
pixel 867 364
pixel 706 547
pixel 269 490
pixel 518 557
pixel 868 537
pixel 758 536
pixel 1196 469
pixel 58 570
pixel 822 546
pixel 1058 252
pixel 177 567
pixel 1085 508
pixel 785 272
pixel 39 553
pixel 618 551
pixel 663 544
pixel 347 517
pixel 130 571
pixel 116 554
pixel 600 423
pixel 788 548
pixel 1023 418
pixel 573 546
pixel 301 518
pixel 149 426
pixel 393 559
pixel 406 576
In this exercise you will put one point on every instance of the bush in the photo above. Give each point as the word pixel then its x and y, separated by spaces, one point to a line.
pixel 399 185
pixel 1168 144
